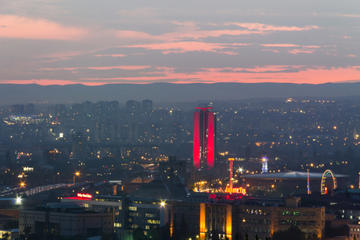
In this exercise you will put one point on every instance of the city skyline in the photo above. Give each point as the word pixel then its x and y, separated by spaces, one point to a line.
pixel 96 43
pixel 179 120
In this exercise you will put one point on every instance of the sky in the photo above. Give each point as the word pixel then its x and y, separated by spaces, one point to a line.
pixel 145 41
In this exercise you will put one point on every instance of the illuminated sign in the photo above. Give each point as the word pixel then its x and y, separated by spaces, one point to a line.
pixel 230 197
pixel 84 195
pixel 237 190
pixel 28 169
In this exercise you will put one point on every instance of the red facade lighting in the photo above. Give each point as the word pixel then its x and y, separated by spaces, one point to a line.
pixel 204 139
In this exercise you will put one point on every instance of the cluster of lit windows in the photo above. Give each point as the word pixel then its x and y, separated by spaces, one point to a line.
pixel 133 208
pixel 297 213
pixel 117 225
pixel 153 221
pixel 298 223
pixel 255 211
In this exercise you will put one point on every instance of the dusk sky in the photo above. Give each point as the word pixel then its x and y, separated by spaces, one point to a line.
pixel 114 41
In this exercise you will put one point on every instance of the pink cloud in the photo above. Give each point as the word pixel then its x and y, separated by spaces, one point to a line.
pixel 256 69
pixel 351 55
pixel 289 45
pixel 124 67
pixel 100 68
pixel 273 28
pixel 190 31
pixel 297 49
pixel 261 74
pixel 182 47
pixel 280 45
pixel 60 69
pixel 349 15
pixel 59 56
pixel 300 51
pixel 28 28
pixel 270 50
pixel 111 55
pixel 188 34
pixel 180 36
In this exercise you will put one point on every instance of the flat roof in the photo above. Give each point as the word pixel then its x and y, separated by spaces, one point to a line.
pixel 289 175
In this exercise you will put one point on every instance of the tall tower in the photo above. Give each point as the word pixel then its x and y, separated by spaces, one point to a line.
pixel 204 139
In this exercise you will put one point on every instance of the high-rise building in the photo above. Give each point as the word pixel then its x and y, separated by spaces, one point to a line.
pixel 133 106
pixel 204 139
pixel 147 106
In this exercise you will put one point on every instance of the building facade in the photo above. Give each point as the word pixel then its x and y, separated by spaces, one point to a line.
pixel 65 222
pixel 238 220
pixel 204 139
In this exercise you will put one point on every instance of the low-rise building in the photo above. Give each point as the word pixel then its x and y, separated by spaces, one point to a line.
pixel 67 220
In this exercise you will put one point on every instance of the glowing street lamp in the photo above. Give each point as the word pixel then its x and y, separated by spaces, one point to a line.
pixel 22 184
pixel 76 174
pixel 18 200
pixel 162 204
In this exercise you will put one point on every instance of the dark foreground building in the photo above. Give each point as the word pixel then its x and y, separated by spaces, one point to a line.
pixel 65 220
pixel 226 219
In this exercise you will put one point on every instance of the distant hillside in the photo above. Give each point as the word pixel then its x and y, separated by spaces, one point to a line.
pixel 166 92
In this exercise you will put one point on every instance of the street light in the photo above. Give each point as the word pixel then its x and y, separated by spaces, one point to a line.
pixel 76 174
pixel 18 200
pixel 22 184
pixel 162 203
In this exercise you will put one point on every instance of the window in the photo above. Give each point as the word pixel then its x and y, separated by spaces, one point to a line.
pixel 153 221
pixel 133 208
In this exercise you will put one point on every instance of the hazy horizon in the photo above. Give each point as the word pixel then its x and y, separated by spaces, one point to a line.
pixel 170 92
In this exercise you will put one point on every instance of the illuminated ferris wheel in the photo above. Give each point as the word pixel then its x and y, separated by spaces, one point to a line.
pixel 328 174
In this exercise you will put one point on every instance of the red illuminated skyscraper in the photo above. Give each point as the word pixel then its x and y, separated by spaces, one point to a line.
pixel 204 139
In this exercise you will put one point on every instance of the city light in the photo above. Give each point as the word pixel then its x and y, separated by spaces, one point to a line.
pixel 84 195
pixel 254 132
pixel 162 203
pixel 264 165
pixel 22 184
pixel 76 174
pixel 18 200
